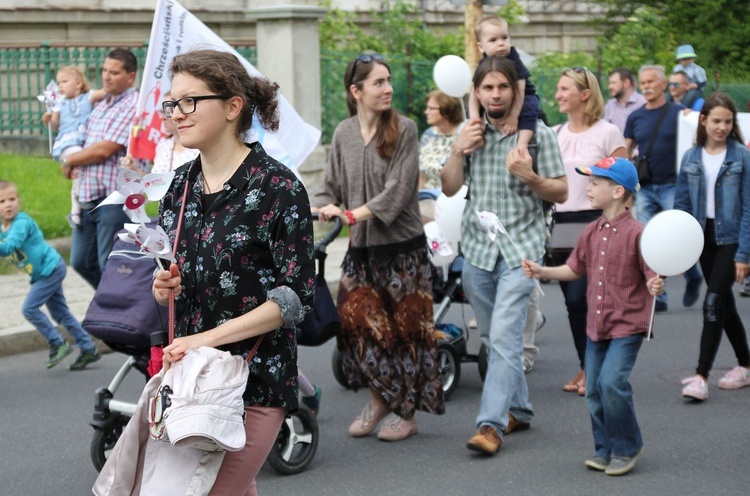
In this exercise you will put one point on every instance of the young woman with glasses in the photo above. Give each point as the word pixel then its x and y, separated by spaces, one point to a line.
pixel 385 293
pixel 245 269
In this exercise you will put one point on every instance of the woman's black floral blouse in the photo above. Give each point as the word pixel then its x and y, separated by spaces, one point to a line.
pixel 252 243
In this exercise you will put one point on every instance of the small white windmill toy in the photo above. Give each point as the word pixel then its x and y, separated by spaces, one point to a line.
pixel 134 191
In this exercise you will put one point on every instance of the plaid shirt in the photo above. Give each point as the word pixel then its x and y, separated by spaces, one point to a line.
pixel 608 252
pixel 111 120
pixel 493 188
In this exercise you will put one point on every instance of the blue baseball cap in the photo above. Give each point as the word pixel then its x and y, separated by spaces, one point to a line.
pixel 620 170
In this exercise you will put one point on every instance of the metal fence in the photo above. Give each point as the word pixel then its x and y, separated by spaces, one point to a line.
pixel 25 72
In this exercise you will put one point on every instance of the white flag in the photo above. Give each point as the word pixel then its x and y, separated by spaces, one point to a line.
pixel 175 30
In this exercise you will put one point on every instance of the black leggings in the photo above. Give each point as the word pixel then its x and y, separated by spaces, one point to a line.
pixel 719 310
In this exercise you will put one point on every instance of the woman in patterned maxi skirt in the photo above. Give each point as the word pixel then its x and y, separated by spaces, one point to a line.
pixel 385 297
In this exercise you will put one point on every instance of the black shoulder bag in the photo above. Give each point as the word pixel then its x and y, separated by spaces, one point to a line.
pixel 642 162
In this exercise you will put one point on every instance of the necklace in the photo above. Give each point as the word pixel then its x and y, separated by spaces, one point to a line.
pixel 213 189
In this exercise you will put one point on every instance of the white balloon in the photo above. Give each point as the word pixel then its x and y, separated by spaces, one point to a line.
pixel 672 242
pixel 452 75
pixel 448 213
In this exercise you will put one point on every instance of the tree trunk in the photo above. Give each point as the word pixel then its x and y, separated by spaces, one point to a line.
pixel 473 12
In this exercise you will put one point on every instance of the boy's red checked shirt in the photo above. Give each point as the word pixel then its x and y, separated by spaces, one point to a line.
pixel 608 253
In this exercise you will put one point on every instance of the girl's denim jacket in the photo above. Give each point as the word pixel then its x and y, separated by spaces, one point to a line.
pixel 732 196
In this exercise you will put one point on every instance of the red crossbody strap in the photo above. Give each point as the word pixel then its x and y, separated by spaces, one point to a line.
pixel 171 314
pixel 255 348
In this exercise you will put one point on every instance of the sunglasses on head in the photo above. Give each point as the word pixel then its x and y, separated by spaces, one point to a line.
pixel 365 58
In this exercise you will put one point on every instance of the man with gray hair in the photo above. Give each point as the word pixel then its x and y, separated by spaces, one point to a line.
pixel 653 128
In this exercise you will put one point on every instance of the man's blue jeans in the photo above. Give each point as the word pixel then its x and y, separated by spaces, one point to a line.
pixel 500 299
pixel 649 201
pixel 93 240
pixel 609 395
pixel 48 291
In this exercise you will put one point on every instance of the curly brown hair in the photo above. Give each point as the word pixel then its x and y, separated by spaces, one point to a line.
pixel 223 73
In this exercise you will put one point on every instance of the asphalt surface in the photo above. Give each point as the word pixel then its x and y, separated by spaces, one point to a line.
pixel 690 448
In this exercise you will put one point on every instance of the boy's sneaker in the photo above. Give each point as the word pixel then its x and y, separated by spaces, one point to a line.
pixel 58 353
pixel 85 358
pixel 597 463
pixel 736 378
pixel 313 402
pixel 621 465
pixel 695 388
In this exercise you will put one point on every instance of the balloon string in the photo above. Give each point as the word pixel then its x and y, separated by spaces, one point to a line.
pixel 651 320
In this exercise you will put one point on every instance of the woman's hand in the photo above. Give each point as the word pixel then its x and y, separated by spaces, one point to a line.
pixel 740 270
pixel 180 347
pixel 327 213
pixel 166 280
pixel 655 286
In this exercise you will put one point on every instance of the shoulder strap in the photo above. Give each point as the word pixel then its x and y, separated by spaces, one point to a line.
pixel 656 129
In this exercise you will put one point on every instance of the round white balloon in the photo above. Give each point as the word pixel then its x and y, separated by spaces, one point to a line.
pixel 448 213
pixel 452 75
pixel 672 242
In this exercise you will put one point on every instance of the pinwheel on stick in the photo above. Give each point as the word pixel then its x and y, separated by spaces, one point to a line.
pixel 493 226
pixel 50 97
pixel 134 191
pixel 154 242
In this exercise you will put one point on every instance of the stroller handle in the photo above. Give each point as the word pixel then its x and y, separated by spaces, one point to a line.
pixel 330 235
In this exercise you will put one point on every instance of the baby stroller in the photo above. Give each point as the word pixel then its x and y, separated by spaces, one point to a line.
pixel 125 316
pixel 451 339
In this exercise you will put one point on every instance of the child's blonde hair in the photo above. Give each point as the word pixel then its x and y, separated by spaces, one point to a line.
pixel 76 71
pixel 8 185
pixel 487 20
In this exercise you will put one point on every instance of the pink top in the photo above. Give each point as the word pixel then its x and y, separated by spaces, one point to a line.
pixel 584 149
pixel 608 252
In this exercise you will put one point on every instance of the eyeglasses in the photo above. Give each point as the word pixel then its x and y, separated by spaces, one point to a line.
pixel 673 85
pixel 579 69
pixel 187 104
pixel 365 58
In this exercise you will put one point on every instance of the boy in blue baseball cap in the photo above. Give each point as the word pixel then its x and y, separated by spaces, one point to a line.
pixel 619 283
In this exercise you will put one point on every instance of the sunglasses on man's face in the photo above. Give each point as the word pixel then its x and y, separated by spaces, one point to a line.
pixel 673 85
pixel 365 58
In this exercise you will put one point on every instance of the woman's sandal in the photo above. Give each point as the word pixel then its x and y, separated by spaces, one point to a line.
pixel 575 385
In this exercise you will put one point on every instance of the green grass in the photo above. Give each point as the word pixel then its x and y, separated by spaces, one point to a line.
pixel 43 191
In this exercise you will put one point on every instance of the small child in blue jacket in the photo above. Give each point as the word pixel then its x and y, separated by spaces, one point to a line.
pixel 22 241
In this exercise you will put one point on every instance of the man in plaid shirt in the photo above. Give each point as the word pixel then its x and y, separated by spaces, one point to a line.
pixel 97 164
pixel 502 179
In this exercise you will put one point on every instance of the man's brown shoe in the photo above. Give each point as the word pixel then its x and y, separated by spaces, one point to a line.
pixel 515 425
pixel 486 441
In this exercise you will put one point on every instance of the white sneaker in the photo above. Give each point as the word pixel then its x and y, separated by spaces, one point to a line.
pixel 696 388
pixel 736 378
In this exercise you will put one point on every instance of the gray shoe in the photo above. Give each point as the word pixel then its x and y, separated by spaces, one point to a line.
pixel 621 465
pixel 84 359
pixel 597 463
pixel 58 353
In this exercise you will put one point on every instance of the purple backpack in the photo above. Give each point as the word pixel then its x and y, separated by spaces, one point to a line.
pixel 123 312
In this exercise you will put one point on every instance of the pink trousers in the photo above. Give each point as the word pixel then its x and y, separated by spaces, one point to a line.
pixel 236 476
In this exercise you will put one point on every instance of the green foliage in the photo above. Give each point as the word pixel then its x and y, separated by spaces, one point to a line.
pixel 645 38
pixel 409 46
pixel 42 190
pixel 513 12
pixel 717 29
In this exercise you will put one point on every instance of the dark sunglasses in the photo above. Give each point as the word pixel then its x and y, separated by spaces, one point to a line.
pixel 673 85
pixel 365 58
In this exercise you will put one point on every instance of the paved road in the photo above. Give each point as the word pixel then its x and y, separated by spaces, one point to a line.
pixel 691 449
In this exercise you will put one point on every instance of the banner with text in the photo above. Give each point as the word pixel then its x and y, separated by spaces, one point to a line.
pixel 175 30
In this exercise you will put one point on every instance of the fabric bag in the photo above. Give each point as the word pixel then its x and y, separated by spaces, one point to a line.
pixel 642 166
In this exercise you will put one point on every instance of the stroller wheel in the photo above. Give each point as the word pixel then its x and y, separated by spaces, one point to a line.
pixel 338 371
pixel 482 361
pixel 449 367
pixel 296 443
pixel 105 439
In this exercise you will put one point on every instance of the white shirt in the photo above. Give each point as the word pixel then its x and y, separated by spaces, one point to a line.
pixel 711 167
